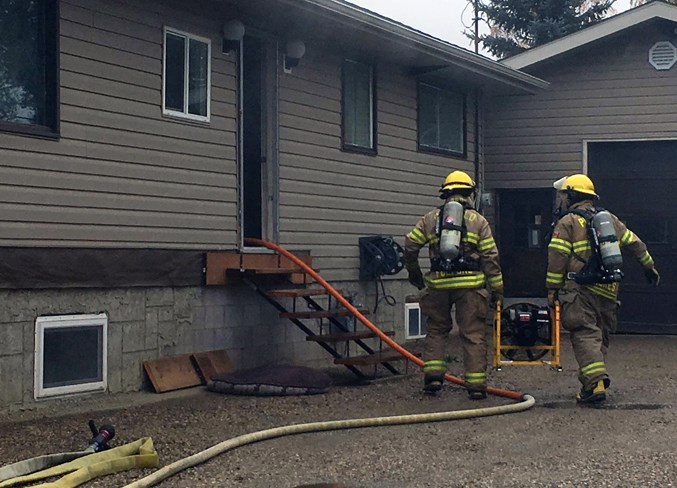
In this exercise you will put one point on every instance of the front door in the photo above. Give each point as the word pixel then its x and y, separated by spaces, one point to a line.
pixel 258 149
pixel 524 218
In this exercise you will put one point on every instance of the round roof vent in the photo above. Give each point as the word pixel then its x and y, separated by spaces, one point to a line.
pixel 663 55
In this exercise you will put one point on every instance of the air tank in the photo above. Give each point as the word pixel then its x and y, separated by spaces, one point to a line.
pixel 451 230
pixel 609 248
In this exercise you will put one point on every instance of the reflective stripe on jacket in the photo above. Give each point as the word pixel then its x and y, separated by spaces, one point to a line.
pixel 570 248
pixel 477 243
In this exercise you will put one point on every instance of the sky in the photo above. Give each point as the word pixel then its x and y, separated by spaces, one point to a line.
pixel 444 19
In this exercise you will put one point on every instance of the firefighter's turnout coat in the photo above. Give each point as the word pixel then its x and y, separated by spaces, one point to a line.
pixel 477 244
pixel 570 248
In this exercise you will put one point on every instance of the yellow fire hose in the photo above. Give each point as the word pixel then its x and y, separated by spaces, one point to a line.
pixel 200 457
pixel 81 466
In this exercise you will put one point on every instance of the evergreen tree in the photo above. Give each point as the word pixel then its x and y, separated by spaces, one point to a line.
pixel 517 25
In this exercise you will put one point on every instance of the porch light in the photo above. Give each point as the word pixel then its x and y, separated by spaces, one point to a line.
pixel 294 51
pixel 233 32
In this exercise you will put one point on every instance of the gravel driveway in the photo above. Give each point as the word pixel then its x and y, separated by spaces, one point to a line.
pixel 632 442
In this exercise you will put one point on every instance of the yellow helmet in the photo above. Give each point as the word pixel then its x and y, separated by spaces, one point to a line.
pixel 578 182
pixel 456 180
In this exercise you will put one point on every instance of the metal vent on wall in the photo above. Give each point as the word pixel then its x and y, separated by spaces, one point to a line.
pixel 663 55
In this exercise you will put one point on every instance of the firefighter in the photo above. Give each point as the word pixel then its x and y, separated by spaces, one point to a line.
pixel 584 258
pixel 463 259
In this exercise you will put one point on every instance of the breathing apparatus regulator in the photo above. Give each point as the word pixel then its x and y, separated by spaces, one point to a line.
pixel 604 266
pixel 451 226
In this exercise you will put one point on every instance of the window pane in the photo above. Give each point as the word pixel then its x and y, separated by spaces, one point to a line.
pixel 440 121
pixel 64 361
pixel 358 104
pixel 451 122
pixel 428 116
pixel 198 59
pixel 174 72
pixel 23 90
pixel 414 318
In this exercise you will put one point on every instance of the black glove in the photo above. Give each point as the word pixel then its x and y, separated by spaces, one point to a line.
pixel 416 278
pixel 552 298
pixel 652 276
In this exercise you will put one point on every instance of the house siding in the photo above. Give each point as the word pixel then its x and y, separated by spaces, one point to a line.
pixel 329 197
pixel 607 91
pixel 121 174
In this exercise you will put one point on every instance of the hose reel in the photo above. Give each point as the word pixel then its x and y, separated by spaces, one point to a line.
pixel 380 255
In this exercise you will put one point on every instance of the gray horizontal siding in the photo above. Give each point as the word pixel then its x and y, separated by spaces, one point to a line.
pixel 329 198
pixel 609 91
pixel 122 175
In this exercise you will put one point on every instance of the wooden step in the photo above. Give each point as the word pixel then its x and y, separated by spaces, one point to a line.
pixel 319 314
pixel 268 271
pixel 370 359
pixel 347 336
pixel 298 292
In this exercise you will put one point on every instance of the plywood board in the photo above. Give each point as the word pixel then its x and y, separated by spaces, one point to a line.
pixel 172 373
pixel 212 363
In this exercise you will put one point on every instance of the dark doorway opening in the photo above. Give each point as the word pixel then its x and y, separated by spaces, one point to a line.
pixel 524 218
pixel 253 154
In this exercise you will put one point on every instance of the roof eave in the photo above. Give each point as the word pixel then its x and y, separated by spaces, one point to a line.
pixel 435 47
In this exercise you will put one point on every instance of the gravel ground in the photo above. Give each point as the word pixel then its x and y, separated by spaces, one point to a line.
pixel 632 442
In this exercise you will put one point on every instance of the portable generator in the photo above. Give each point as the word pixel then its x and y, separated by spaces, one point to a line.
pixel 524 333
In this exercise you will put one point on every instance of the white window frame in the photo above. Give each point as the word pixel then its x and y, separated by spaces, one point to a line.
pixel 407 308
pixel 61 321
pixel 188 37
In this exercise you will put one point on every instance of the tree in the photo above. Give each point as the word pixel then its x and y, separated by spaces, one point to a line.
pixel 516 25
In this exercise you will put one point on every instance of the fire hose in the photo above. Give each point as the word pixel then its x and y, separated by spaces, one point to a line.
pixel 525 401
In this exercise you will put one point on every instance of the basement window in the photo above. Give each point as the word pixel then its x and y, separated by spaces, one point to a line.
pixel 70 354
pixel 415 323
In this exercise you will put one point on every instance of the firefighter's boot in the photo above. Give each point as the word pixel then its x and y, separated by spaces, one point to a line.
pixel 594 394
pixel 432 384
pixel 477 394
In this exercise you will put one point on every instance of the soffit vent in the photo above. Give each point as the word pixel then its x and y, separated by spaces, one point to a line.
pixel 663 55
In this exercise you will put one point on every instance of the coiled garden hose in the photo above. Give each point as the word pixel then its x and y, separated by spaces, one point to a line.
pixel 525 401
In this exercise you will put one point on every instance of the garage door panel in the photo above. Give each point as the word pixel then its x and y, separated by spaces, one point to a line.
pixel 637 182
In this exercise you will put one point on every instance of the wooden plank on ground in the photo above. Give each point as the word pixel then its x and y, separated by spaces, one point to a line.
pixel 212 363
pixel 172 373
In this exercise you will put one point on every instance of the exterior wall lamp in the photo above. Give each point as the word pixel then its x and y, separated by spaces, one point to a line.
pixel 294 51
pixel 233 32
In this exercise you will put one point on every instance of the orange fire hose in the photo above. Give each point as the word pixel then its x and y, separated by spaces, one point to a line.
pixel 515 395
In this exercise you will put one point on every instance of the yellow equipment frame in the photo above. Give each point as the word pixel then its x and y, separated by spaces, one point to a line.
pixel 554 348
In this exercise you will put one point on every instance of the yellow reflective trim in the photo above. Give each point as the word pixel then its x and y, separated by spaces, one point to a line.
pixel 435 361
pixel 627 238
pixel 560 245
pixel 495 279
pixel 476 375
pixel 473 235
pixel 417 236
pixel 646 258
pixel 607 291
pixel 579 246
pixel 456 282
pixel 592 365
pixel 486 244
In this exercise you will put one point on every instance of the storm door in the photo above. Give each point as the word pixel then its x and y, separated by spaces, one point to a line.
pixel 258 139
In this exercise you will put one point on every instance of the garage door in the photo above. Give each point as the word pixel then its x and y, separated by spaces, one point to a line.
pixel 638 182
